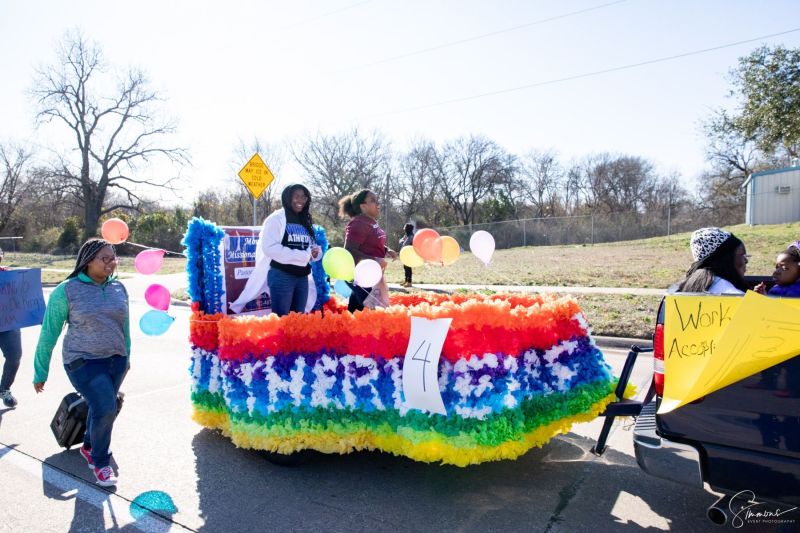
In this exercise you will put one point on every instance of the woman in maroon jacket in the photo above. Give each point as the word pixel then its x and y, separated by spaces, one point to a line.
pixel 365 239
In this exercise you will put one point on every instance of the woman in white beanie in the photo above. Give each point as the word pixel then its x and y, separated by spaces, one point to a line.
pixel 720 261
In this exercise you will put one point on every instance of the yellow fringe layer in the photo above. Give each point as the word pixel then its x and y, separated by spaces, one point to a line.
pixel 432 449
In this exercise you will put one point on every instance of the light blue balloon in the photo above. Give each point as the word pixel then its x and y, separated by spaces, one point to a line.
pixel 155 323
pixel 342 288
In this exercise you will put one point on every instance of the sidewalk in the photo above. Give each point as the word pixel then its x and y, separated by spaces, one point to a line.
pixel 534 288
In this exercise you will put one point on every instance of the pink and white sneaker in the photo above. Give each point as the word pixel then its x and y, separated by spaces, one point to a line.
pixel 86 453
pixel 105 476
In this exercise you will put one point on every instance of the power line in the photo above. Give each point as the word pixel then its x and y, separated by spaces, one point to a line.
pixel 474 38
pixel 588 74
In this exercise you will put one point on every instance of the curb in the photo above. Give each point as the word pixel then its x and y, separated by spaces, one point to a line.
pixel 621 342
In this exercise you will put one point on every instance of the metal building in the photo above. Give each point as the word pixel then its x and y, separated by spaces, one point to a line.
pixel 773 196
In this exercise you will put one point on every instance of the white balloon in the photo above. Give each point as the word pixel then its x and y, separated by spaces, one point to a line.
pixel 481 244
pixel 367 273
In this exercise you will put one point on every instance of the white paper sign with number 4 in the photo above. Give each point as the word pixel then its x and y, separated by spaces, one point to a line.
pixel 421 364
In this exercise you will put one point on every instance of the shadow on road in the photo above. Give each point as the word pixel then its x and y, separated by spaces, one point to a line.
pixel 560 487
pixel 65 476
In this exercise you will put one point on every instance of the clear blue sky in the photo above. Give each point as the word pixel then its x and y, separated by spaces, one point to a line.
pixel 283 70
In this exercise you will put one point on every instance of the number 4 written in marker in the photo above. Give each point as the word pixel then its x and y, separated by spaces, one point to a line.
pixel 424 360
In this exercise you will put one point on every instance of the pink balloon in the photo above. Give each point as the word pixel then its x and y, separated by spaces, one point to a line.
pixel 149 261
pixel 157 296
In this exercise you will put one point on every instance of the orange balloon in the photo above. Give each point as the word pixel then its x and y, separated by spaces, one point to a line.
pixel 450 250
pixel 428 245
pixel 114 231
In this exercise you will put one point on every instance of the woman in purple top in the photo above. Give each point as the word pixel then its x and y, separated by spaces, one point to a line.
pixel 364 239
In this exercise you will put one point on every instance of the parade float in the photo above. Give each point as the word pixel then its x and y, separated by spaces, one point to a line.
pixel 500 374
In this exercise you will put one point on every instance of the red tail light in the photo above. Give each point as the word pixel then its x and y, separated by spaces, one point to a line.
pixel 658 359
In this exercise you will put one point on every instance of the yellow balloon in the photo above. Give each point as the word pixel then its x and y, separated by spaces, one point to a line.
pixel 410 258
pixel 450 250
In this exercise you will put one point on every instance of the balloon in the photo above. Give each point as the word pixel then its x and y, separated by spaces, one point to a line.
pixel 114 231
pixel 450 250
pixel 482 245
pixel 428 245
pixel 149 261
pixel 410 258
pixel 338 263
pixel 157 296
pixel 342 288
pixel 367 273
pixel 155 322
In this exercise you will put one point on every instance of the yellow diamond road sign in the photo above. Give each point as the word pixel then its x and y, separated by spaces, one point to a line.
pixel 256 175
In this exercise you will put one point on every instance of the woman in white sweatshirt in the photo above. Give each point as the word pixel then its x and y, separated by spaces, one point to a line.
pixel 285 250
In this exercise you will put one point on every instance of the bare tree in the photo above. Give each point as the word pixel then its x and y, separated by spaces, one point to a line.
pixel 468 171
pixel 115 133
pixel 337 165
pixel 541 178
pixel 727 146
pixel 617 184
pixel 15 160
pixel 416 186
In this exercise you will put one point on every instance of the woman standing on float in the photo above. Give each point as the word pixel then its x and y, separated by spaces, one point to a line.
pixel 365 239
pixel 284 253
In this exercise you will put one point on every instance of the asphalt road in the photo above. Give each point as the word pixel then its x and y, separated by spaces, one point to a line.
pixel 197 480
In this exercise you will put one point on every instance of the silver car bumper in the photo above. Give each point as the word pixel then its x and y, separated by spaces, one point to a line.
pixel 661 457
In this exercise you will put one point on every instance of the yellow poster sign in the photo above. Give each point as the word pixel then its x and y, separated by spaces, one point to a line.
pixel 713 341
pixel 256 175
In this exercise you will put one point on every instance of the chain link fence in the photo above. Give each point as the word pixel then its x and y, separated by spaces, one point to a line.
pixel 595 228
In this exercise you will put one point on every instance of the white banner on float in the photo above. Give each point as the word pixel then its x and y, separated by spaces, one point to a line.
pixel 238 259
pixel 421 364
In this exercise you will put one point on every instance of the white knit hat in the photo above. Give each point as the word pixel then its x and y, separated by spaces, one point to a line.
pixel 705 241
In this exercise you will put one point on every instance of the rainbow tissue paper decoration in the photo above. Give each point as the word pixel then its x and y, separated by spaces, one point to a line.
pixel 514 371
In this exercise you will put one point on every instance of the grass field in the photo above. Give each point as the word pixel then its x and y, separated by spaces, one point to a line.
pixel 647 263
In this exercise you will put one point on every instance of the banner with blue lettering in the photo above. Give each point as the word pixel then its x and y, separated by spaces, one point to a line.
pixel 21 299
pixel 238 262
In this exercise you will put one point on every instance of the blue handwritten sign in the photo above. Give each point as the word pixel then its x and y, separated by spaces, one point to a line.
pixel 21 298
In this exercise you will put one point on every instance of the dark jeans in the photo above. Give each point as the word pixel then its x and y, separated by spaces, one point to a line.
pixel 11 346
pixel 357 297
pixel 407 271
pixel 287 292
pixel 98 381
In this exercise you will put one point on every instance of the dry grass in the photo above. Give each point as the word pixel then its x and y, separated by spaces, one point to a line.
pixel 647 263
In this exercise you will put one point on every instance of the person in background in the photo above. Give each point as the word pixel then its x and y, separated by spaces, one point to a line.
pixel 284 252
pixel 786 275
pixel 11 346
pixel 407 240
pixel 720 262
pixel 364 239
pixel 96 348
